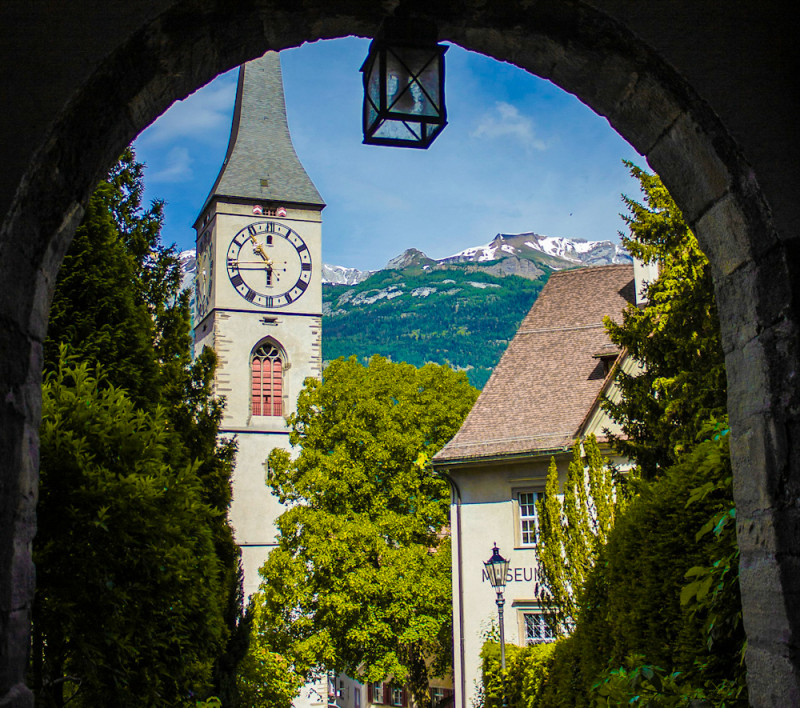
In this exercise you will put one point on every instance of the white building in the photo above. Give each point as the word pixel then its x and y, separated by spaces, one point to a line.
pixel 542 397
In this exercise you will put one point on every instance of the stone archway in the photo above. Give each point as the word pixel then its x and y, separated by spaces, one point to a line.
pixel 146 58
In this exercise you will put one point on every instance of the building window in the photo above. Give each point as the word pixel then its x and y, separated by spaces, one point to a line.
pixel 267 381
pixel 397 696
pixel 377 692
pixel 536 629
pixel 356 697
pixel 528 518
pixel 441 697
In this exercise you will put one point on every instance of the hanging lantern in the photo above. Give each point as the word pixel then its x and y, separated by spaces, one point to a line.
pixel 403 93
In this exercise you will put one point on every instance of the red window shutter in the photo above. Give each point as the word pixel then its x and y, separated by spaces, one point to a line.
pixel 387 693
pixel 277 393
pixel 255 398
pixel 369 692
pixel 405 696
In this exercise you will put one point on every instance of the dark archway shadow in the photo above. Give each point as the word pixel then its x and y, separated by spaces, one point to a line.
pixel 593 55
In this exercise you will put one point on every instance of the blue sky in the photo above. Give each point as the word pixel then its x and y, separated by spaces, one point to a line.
pixel 518 154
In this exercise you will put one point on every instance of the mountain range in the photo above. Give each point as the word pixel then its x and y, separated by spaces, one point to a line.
pixel 461 310
pixel 506 254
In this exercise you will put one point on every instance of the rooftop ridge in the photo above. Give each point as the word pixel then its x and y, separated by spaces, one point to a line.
pixel 261 163
pixel 579 270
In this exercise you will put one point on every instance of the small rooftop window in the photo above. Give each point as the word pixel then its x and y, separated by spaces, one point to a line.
pixel 607 357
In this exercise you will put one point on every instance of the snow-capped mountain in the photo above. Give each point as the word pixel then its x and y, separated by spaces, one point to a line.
pixel 188 263
pixel 527 245
pixel 510 254
pixel 409 257
pixel 341 275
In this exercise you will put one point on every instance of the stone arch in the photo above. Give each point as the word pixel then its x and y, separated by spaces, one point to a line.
pixel 167 54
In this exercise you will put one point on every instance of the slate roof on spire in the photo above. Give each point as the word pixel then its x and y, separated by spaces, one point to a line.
pixel 261 163
pixel 549 378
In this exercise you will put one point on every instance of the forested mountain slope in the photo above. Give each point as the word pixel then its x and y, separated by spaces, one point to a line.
pixel 458 315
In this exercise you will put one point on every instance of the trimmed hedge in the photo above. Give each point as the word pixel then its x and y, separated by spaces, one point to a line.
pixel 527 669
pixel 632 621
pixel 632 600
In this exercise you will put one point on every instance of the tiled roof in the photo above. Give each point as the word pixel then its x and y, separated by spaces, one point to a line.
pixel 549 377
pixel 261 163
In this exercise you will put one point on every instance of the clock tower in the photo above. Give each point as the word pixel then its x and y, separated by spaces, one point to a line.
pixel 258 297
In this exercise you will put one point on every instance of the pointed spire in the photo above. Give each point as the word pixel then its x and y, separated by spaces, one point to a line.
pixel 261 163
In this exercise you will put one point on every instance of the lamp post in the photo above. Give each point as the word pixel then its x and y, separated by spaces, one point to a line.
pixel 496 569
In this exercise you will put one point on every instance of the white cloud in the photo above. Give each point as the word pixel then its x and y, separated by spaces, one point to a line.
pixel 178 167
pixel 505 121
pixel 200 116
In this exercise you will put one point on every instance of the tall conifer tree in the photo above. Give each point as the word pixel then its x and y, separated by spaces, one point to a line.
pixel 572 528
pixel 663 408
pixel 118 306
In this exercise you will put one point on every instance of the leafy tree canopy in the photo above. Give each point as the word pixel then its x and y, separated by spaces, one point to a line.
pixel 360 580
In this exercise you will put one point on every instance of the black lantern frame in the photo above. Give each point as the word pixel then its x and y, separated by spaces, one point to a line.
pixel 496 569
pixel 403 93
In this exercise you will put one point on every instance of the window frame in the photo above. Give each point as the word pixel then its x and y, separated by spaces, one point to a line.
pixel 539 611
pixel 276 380
pixel 516 495
pixel 377 693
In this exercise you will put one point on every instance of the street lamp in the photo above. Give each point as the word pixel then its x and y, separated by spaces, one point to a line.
pixel 496 569
pixel 404 87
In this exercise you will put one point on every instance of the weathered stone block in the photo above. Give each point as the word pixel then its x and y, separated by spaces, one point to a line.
pixel 693 172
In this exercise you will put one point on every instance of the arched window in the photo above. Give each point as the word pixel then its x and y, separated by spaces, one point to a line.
pixel 267 376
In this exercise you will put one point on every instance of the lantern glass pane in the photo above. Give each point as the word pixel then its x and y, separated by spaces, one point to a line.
pixel 412 81
pixel 372 90
pixel 399 130
pixel 493 574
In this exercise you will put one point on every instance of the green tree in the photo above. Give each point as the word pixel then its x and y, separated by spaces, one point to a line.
pixel 101 306
pixel 664 590
pixel 572 529
pixel 664 407
pixel 632 602
pixel 118 305
pixel 527 669
pixel 360 580
pixel 126 612
pixel 265 679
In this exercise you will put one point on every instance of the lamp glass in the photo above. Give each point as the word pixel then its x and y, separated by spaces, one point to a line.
pixel 403 94
pixel 496 569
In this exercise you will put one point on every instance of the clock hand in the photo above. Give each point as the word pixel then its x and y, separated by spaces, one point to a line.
pixel 259 249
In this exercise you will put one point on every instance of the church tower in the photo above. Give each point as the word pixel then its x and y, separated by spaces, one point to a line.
pixel 259 294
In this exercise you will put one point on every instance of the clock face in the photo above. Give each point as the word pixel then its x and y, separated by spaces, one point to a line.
pixel 268 264
pixel 203 278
